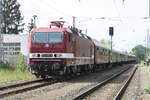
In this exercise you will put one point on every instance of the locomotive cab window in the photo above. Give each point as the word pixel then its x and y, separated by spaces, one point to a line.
pixel 47 37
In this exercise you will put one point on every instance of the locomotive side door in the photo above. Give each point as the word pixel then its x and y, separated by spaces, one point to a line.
pixel 70 45
pixel 71 48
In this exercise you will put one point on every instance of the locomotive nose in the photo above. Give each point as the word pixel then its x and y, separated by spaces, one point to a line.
pixel 46 45
pixel 56 66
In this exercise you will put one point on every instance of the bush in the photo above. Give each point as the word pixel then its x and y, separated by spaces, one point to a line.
pixel 21 66
pixel 3 65
pixel 9 73
pixel 19 61
pixel 147 90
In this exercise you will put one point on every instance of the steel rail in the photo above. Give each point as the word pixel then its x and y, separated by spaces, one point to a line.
pixel 17 91
pixel 91 90
pixel 124 87
pixel 20 84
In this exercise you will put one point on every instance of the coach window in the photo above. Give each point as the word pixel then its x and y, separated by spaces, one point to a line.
pixel 100 53
pixel 103 52
pixel 107 52
pixel 97 48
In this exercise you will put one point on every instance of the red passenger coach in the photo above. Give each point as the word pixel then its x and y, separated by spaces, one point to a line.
pixel 59 51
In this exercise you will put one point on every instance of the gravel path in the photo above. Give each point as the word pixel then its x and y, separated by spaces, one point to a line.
pixel 144 83
pixel 140 81
pixel 66 90
pixel 132 91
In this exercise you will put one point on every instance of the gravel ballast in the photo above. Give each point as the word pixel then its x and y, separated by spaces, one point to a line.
pixel 67 90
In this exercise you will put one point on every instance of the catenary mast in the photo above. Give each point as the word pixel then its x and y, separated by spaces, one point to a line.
pixel 1 36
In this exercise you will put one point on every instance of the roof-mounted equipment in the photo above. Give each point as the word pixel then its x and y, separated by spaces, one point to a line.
pixel 58 24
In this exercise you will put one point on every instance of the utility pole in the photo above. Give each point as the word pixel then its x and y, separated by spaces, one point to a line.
pixel 111 33
pixel 149 9
pixel 146 46
pixel 74 20
pixel 148 40
pixel 147 43
pixel 34 19
pixel 0 17
pixel 1 35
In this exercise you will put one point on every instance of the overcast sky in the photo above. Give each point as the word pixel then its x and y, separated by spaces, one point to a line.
pixel 127 18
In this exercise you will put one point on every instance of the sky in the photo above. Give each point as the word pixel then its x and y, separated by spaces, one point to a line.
pixel 95 16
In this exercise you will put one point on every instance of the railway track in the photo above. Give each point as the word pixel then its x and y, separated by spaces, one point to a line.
pixel 125 85
pixel 24 87
pixel 106 81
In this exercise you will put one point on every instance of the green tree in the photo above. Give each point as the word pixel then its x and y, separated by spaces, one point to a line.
pixel 12 19
pixel 140 52
pixel 21 66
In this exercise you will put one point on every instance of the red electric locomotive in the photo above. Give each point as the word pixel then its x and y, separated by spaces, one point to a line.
pixel 58 51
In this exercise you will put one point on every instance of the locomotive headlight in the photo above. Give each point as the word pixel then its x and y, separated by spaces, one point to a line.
pixel 34 55
pixel 59 55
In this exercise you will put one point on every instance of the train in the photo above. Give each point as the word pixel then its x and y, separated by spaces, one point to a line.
pixel 65 51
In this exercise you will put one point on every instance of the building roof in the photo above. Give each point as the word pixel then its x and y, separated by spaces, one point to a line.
pixel 14 38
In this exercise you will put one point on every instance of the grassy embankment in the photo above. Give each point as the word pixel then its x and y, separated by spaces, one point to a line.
pixel 8 73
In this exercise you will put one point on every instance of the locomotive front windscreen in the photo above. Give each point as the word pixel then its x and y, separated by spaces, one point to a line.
pixel 47 37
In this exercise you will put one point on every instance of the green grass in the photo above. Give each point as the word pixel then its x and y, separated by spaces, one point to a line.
pixel 20 72
pixel 147 90
pixel 8 74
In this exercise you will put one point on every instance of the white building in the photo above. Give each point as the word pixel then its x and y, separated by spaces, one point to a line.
pixel 13 45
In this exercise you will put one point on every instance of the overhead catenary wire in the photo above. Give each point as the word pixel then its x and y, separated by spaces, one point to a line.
pixel 123 2
pixel 54 8
pixel 36 9
pixel 69 15
pixel 114 1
